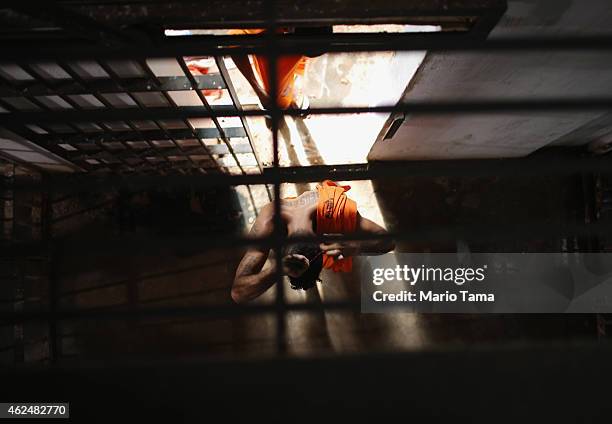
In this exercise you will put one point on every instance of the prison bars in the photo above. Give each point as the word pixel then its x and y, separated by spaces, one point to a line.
pixel 545 163
pixel 275 45
pixel 480 106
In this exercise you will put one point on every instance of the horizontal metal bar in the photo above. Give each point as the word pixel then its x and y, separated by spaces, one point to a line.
pixel 117 114
pixel 127 245
pixel 231 310
pixel 70 21
pixel 480 106
pixel 145 167
pixel 215 311
pixel 124 136
pixel 544 164
pixel 224 14
pixel 203 45
pixel 109 86
pixel 95 151
pixel 445 235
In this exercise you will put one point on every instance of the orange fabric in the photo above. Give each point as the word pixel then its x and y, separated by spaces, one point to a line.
pixel 287 67
pixel 336 213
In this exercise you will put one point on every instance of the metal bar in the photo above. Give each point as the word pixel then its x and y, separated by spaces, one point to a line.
pixel 16 271
pixel 544 164
pixel 589 214
pixel 28 96
pixel 53 287
pixel 182 14
pixel 552 230
pixel 224 138
pixel 104 86
pixel 202 311
pixel 79 25
pixel 220 61
pixel 163 153
pixel 228 45
pixel 479 106
pixel 522 231
pixel 270 37
pixel 18 329
pixel 151 74
pixel 42 81
pixel 83 134
pixel 145 137
pixel 108 136
pixel 236 101
pixel 28 134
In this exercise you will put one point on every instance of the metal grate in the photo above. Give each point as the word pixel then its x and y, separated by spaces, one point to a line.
pixel 58 125
pixel 115 145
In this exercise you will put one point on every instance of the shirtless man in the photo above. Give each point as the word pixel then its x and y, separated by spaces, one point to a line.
pixel 302 262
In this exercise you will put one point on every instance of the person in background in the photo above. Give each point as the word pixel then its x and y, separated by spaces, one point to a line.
pixel 290 68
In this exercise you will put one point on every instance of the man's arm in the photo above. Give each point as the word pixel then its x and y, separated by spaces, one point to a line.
pixel 342 249
pixel 255 273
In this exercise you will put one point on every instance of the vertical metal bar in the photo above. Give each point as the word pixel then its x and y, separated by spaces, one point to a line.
pixel 194 86
pixel 589 241
pixel 270 34
pixel 17 273
pixel 202 97
pixel 18 328
pixel 47 238
pixel 236 101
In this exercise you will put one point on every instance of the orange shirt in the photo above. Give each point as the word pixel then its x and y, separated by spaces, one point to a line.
pixel 287 67
pixel 336 213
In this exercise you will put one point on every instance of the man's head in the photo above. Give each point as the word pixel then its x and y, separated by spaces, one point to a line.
pixel 302 262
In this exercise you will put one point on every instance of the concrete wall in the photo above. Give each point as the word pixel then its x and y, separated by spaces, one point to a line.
pixel 494 76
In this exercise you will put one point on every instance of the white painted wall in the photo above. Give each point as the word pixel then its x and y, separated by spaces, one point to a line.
pixel 464 76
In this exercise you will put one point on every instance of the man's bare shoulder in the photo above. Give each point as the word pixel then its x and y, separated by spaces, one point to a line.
pixel 308 198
